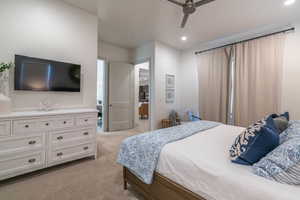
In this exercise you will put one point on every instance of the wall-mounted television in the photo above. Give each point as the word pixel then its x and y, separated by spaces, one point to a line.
pixel 35 74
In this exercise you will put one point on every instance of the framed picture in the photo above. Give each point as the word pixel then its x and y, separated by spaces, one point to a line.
pixel 170 81
pixel 170 88
pixel 170 95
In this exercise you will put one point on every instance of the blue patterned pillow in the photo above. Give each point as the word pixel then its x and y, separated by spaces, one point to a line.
pixel 282 164
pixel 255 142
pixel 291 132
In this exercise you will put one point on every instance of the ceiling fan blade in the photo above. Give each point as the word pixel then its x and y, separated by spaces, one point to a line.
pixel 203 2
pixel 176 2
pixel 185 18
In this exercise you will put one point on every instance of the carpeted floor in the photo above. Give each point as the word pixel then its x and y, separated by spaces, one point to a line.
pixel 86 179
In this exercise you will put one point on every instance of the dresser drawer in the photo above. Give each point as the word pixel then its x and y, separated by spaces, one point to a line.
pixel 46 124
pixel 4 128
pixel 25 126
pixel 74 137
pixel 70 153
pixel 67 122
pixel 21 144
pixel 21 163
pixel 86 120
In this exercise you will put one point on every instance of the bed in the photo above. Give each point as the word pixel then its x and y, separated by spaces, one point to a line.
pixel 198 168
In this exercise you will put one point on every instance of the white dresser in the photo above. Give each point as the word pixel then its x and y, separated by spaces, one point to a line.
pixel 34 140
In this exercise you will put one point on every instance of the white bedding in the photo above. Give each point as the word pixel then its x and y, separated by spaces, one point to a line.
pixel 201 164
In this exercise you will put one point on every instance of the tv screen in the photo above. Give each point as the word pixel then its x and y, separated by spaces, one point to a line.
pixel 45 75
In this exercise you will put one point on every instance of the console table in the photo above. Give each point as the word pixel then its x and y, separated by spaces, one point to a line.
pixel 35 140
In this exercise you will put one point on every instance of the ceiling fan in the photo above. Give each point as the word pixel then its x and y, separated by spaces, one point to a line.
pixel 189 7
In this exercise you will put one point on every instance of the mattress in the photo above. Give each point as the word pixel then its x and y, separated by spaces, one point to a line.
pixel 201 164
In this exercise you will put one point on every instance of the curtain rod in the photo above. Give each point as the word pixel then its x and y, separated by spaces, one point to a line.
pixel 283 31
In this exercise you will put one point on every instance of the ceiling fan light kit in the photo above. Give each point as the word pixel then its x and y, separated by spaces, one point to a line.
pixel 189 7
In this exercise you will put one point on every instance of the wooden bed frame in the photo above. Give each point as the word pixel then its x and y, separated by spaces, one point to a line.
pixel 161 188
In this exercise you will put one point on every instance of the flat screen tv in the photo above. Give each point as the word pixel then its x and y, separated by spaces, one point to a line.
pixel 37 74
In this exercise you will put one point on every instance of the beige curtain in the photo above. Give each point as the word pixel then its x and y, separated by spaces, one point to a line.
pixel 258 78
pixel 213 72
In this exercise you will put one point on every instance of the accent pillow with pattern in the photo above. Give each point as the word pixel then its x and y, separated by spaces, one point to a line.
pixel 255 142
pixel 282 164
pixel 293 131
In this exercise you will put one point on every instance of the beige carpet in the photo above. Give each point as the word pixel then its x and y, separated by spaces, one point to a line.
pixel 86 179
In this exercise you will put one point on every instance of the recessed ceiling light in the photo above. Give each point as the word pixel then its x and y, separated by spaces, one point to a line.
pixel 183 38
pixel 289 2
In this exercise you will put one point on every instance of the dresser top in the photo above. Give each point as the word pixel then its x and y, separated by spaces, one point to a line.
pixel 47 113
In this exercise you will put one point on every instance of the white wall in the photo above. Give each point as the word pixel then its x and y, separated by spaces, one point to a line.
pixel 291 72
pixel 167 61
pixel 145 52
pixel 53 30
pixel 189 93
pixel 163 60
pixel 113 53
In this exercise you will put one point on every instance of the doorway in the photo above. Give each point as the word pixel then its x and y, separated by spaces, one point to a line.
pixel 142 97
pixel 120 96
pixel 101 95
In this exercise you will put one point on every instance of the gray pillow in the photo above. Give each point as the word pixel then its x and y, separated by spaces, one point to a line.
pixel 281 123
pixel 282 164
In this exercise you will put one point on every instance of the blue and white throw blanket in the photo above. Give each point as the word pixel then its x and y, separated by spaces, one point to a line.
pixel 140 153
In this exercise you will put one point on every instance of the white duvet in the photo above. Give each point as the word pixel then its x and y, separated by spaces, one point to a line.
pixel 201 164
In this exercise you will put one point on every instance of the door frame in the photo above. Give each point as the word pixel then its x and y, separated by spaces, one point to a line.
pixel 105 95
pixel 131 92
pixel 151 89
pixel 151 92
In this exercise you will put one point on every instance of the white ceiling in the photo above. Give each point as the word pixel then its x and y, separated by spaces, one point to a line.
pixel 130 23
pixel 88 5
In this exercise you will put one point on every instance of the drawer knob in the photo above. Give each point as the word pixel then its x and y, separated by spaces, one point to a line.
pixel 32 160
pixel 85 148
pixel 47 124
pixel 60 137
pixel 65 122
pixel 26 126
pixel 59 154
pixel 32 142
pixel 86 120
pixel 86 133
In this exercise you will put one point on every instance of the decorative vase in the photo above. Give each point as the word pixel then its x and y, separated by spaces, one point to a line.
pixel 5 102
